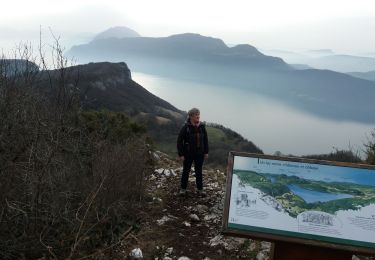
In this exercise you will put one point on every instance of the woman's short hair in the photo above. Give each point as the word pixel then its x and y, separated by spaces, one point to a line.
pixel 193 111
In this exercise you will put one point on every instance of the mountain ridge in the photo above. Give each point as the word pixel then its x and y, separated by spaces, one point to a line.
pixel 327 60
pixel 369 75
pixel 188 46
pixel 202 59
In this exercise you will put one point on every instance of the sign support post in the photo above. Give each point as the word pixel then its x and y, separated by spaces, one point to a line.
pixel 286 251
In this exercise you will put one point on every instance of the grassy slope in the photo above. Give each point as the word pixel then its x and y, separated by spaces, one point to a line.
pixel 221 141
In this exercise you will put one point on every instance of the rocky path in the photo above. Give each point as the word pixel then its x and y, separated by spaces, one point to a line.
pixel 188 227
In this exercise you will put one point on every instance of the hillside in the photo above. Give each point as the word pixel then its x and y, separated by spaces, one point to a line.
pixel 109 86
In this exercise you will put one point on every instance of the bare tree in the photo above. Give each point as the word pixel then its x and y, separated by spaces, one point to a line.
pixel 370 148
pixel 66 190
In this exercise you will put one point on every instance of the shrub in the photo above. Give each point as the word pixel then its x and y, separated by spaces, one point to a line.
pixel 70 181
pixel 338 156
pixel 370 149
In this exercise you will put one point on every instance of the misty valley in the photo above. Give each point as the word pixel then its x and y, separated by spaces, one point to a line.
pixel 269 122
pixel 263 98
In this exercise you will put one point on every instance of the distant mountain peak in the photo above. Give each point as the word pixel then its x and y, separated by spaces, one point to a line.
pixel 246 49
pixel 117 32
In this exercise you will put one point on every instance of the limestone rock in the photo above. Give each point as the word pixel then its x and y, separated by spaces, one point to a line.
pixel 194 217
pixel 136 253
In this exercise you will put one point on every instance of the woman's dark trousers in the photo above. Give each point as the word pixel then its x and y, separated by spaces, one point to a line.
pixel 198 163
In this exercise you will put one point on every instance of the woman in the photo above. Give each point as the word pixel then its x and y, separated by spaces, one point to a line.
pixel 192 146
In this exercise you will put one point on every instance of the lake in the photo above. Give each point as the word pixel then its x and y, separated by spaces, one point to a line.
pixel 269 123
pixel 311 196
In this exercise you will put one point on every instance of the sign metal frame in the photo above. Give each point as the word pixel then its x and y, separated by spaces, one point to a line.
pixel 226 230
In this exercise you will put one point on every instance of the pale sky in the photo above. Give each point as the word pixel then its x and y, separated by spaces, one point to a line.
pixel 346 26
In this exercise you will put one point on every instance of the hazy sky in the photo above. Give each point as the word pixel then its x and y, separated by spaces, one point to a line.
pixel 346 26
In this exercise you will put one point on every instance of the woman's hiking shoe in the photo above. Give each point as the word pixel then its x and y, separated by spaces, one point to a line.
pixel 182 192
pixel 202 193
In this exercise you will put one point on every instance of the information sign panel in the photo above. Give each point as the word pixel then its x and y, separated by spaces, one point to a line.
pixel 301 200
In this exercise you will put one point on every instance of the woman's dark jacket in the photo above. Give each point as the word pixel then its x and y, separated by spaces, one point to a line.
pixel 192 140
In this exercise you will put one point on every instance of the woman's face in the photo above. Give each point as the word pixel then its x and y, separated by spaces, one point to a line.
pixel 195 118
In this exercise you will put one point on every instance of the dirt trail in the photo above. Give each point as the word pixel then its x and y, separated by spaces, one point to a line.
pixel 173 227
